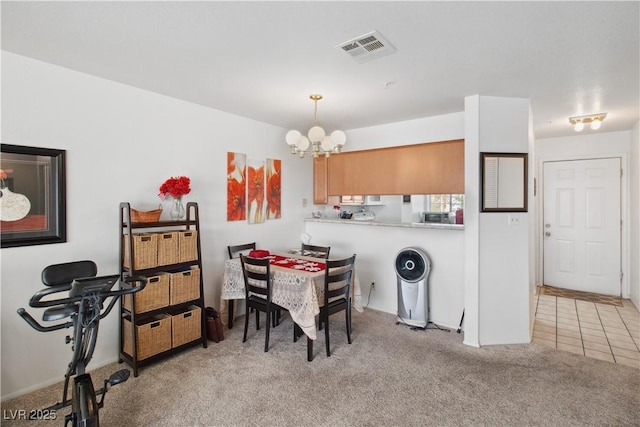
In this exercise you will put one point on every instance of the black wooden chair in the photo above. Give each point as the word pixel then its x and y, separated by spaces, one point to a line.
pixel 258 290
pixel 338 277
pixel 236 250
pixel 315 251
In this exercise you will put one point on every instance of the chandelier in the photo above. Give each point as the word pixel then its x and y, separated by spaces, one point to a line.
pixel 320 142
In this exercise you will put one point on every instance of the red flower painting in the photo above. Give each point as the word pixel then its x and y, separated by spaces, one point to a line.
pixel 236 206
pixel 236 188
pixel 253 188
pixel 255 192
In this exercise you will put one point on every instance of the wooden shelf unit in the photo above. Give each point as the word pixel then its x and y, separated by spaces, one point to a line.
pixel 130 318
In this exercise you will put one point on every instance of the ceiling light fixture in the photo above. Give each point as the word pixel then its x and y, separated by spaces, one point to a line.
pixel 319 140
pixel 595 119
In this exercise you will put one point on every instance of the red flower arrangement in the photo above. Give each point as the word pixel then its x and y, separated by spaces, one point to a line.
pixel 175 187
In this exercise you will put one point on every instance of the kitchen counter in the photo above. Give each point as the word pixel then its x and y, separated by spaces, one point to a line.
pixel 389 224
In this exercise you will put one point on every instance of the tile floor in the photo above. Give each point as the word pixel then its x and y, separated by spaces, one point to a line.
pixel 602 331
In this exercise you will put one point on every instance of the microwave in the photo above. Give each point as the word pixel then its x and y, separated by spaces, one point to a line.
pixel 438 217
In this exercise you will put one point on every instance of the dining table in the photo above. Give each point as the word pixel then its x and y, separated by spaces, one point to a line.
pixel 297 286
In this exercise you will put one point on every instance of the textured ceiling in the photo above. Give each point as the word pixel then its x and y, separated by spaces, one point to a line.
pixel 262 60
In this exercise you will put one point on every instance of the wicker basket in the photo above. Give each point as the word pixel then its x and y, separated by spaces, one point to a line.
pixel 187 245
pixel 153 337
pixel 186 326
pixel 154 295
pixel 185 286
pixel 145 251
pixel 146 216
pixel 168 248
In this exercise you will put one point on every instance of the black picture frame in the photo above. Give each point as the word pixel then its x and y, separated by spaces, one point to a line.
pixel 33 196
pixel 503 182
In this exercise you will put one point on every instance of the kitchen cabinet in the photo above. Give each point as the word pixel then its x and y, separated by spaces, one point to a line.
pixel 431 168
pixel 168 315
pixel 320 171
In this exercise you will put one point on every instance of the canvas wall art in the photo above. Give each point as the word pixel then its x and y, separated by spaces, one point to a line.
pixel 255 191
pixel 273 188
pixel 253 188
pixel 236 187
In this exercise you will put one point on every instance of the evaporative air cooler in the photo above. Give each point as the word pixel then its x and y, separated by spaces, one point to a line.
pixel 412 268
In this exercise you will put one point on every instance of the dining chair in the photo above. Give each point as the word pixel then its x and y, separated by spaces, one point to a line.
pixel 258 291
pixel 244 249
pixel 315 251
pixel 236 250
pixel 338 277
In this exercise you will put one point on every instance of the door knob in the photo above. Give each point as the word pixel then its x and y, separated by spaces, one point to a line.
pixel 547 226
pixel 547 233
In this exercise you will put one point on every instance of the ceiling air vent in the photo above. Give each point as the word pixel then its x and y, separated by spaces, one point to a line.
pixel 367 47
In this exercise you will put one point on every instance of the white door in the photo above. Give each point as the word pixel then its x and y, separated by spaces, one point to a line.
pixel 582 225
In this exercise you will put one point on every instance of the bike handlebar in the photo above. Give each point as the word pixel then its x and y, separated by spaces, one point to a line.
pixel 37 326
pixel 126 287
pixel 36 299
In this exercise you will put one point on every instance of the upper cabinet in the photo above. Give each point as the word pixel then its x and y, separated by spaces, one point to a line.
pixel 431 168
pixel 320 193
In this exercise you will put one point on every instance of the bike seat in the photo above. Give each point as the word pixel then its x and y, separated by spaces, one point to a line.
pixel 52 314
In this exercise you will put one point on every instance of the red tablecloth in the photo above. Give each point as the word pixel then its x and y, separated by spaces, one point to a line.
pixel 296 263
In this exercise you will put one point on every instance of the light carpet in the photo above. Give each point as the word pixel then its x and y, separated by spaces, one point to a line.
pixel 390 376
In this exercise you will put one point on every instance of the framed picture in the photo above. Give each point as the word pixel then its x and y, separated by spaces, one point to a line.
pixel 503 179
pixel 32 199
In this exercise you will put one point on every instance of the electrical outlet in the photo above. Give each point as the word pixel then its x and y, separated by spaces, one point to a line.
pixel 304 203
pixel 373 285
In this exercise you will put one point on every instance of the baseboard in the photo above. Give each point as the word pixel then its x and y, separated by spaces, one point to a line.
pixel 52 381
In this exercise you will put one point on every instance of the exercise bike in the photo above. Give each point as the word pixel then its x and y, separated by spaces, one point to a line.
pixel 83 307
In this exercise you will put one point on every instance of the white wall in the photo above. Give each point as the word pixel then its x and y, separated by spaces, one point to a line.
pixel 502 306
pixel 122 143
pixel 376 248
pixel 429 129
pixel 600 145
pixel 471 220
pixel 634 218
